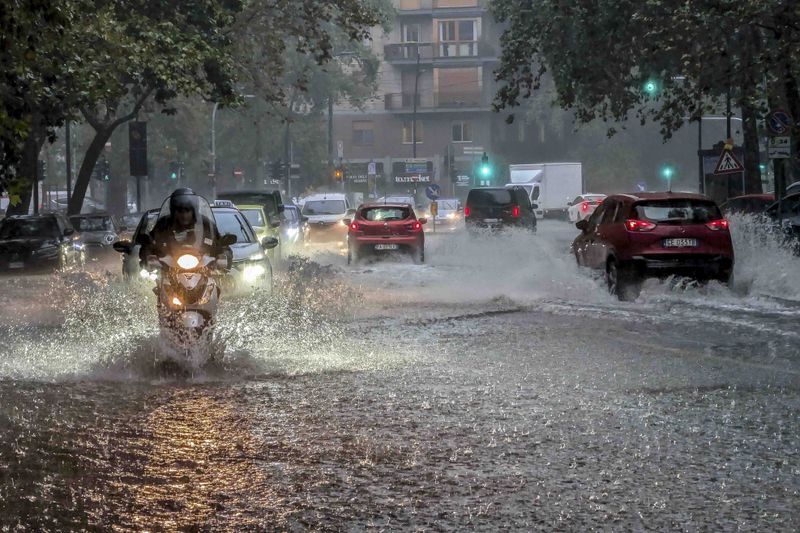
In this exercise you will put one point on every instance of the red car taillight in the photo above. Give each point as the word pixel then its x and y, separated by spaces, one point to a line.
pixel 466 212
pixel 585 206
pixel 515 211
pixel 355 226
pixel 639 225
pixel 717 225
pixel 416 226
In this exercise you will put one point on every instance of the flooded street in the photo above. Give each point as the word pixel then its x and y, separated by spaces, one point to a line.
pixel 495 387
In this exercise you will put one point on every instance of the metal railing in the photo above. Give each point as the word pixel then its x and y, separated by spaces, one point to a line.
pixel 441 50
pixel 437 100
pixel 426 5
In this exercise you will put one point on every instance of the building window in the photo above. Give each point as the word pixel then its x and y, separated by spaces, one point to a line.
pixel 408 126
pixel 363 133
pixel 411 33
pixel 462 132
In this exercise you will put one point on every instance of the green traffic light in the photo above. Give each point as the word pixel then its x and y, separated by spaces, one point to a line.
pixel 173 176
pixel 486 171
pixel 667 172
pixel 650 87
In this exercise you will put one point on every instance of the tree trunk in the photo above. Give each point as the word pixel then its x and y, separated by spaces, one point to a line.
pixel 751 150
pixel 792 96
pixel 28 168
pixel 87 166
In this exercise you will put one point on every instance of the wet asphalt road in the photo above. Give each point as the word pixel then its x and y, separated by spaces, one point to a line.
pixel 495 388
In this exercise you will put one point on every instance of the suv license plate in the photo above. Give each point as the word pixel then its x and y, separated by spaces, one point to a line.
pixel 16 264
pixel 680 243
pixel 491 220
pixel 386 247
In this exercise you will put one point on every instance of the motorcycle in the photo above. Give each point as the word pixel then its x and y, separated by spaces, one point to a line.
pixel 186 272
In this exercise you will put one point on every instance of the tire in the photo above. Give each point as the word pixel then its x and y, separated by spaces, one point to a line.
pixel 419 255
pixel 352 256
pixel 622 282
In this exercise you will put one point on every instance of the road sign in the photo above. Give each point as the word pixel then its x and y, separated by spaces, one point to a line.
pixel 434 209
pixel 780 147
pixel 433 191
pixel 728 164
pixel 472 150
pixel 340 149
pixel 779 122
pixel 371 169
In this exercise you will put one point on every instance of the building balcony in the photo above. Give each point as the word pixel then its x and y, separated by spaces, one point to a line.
pixel 453 51
pixel 428 7
pixel 437 101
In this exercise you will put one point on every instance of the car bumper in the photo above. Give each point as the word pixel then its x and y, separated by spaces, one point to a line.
pixel 365 244
pixel 693 265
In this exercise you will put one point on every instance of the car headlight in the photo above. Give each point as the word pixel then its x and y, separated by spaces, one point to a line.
pixel 258 256
pixel 252 273
pixel 291 232
pixel 188 262
pixel 148 274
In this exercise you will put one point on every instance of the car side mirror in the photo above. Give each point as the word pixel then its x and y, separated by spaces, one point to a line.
pixel 534 206
pixel 268 243
pixel 347 221
pixel 143 239
pixel 423 220
pixel 123 247
pixel 275 224
pixel 227 239
pixel 582 225
pixel 304 219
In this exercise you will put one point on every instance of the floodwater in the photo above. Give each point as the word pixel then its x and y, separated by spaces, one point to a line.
pixel 496 387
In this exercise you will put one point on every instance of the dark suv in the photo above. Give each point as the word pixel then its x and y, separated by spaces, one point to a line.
pixel 32 242
pixel 633 236
pixel 499 207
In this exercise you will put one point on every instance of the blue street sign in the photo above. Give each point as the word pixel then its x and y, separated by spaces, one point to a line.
pixel 779 122
pixel 433 192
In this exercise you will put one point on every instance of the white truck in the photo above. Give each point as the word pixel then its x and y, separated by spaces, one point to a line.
pixel 551 186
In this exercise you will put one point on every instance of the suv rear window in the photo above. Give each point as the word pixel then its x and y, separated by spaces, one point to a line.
pixel 386 213
pixel 324 207
pixel 678 211
pixel 29 228
pixel 489 197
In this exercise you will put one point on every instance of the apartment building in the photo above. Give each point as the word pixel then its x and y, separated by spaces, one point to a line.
pixel 436 84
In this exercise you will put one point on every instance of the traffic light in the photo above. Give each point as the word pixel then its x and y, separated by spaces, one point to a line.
pixel 175 170
pixel 667 171
pixel 338 174
pixel 485 169
pixel 106 170
pixel 41 170
pixel 650 87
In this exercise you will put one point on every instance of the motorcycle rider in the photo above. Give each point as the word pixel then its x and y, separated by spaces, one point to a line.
pixel 181 228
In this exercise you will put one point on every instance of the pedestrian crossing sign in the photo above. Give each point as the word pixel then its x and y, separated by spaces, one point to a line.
pixel 728 164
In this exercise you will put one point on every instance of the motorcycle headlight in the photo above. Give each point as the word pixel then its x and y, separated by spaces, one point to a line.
pixel 152 275
pixel 188 262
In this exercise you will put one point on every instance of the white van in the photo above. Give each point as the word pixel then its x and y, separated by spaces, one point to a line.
pixel 327 214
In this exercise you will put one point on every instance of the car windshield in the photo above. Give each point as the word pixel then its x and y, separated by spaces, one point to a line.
pixel 289 215
pixel 447 205
pixel 29 228
pixel 254 216
pixel 489 197
pixel 678 211
pixel 386 214
pixel 92 223
pixel 231 222
pixel 324 207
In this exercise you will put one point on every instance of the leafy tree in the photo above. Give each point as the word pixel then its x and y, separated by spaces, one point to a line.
pixel 600 55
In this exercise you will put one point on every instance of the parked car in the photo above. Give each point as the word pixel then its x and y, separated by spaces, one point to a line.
pixel 39 242
pixel 326 215
pixel 634 236
pixel 381 228
pixel 583 206
pixel 786 222
pixel 749 204
pixel 130 248
pixel 98 233
pixel 499 207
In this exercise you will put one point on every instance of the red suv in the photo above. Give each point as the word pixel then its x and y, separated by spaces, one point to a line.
pixel 633 236
pixel 380 228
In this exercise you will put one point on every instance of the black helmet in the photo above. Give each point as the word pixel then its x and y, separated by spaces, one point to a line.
pixel 183 198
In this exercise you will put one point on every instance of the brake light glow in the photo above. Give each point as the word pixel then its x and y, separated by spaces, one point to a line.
pixel 717 225
pixel 466 211
pixel 515 211
pixel 355 226
pixel 417 225
pixel 639 225
pixel 584 206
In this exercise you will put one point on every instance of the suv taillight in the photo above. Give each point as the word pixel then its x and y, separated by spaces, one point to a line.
pixel 717 225
pixel 515 211
pixel 585 206
pixel 466 211
pixel 639 225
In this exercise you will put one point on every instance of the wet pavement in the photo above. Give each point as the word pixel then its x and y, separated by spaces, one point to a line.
pixel 496 387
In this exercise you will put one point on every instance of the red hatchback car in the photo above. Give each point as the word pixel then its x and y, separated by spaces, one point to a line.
pixel 634 236
pixel 381 228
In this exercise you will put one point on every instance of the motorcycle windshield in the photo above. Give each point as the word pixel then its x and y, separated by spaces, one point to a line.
pixel 186 224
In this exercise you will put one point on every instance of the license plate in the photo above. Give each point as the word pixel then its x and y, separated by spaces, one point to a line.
pixel 491 220
pixel 16 264
pixel 680 243
pixel 386 247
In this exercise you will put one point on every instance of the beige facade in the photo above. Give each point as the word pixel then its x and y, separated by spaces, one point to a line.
pixel 442 51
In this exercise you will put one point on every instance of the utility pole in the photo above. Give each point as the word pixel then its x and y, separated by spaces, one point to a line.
pixel 701 171
pixel 68 147
pixel 414 116
pixel 330 130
